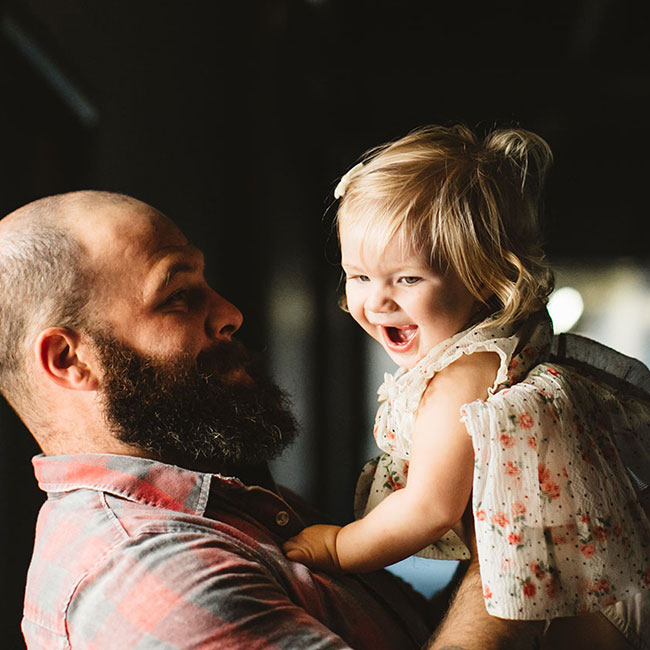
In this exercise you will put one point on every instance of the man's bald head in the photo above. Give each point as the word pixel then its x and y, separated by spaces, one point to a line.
pixel 45 276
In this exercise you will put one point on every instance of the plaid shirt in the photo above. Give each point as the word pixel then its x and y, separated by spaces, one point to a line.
pixel 134 554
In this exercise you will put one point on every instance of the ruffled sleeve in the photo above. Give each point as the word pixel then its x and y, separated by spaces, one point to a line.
pixel 559 524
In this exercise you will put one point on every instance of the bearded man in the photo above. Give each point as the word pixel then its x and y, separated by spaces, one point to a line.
pixel 163 527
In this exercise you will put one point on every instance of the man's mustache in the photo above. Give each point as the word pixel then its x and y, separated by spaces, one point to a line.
pixel 223 357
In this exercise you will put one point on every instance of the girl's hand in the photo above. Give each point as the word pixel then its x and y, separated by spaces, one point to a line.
pixel 315 546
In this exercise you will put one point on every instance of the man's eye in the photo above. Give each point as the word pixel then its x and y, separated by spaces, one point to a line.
pixel 410 279
pixel 177 298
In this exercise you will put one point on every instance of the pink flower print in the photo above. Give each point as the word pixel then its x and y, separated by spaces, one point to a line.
pixel 512 469
pixel 529 589
pixel 543 473
pixel 390 434
pixel 518 508
pixel 552 489
pixel 487 594
pixel 532 442
pixel 507 441
pixel 394 482
pixel 565 473
pixel 599 533
pixel 617 531
pixel 553 371
pixel 526 420
pixel 588 550
pixel 406 469
pixel 603 586
pixel 515 539
pixel 480 515
pixel 559 539
pixel 500 519
pixel 585 519
pixel 537 570
pixel 552 587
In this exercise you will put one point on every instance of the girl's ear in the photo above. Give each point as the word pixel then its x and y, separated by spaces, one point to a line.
pixel 67 362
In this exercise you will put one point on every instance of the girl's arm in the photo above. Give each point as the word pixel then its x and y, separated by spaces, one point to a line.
pixel 438 486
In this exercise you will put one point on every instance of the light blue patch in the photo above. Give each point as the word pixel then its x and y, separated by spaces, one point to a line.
pixel 424 575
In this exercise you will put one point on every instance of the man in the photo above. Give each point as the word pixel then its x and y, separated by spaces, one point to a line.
pixel 163 527
pixel 117 355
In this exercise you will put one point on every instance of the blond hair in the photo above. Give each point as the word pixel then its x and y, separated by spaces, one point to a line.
pixel 465 203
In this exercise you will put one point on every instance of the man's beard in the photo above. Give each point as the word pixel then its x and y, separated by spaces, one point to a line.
pixel 202 413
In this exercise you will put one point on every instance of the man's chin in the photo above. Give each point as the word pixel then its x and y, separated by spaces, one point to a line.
pixel 210 413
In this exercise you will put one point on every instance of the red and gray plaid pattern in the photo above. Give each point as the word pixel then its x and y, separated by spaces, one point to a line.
pixel 134 554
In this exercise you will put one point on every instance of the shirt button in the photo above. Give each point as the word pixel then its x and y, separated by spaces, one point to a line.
pixel 282 518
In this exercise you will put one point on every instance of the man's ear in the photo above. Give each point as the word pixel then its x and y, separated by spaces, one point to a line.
pixel 65 360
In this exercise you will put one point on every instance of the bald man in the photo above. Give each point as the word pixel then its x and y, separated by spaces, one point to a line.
pixel 163 527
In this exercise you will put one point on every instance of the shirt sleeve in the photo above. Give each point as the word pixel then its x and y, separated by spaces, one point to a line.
pixel 186 589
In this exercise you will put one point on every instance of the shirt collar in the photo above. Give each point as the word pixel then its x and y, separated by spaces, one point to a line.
pixel 137 479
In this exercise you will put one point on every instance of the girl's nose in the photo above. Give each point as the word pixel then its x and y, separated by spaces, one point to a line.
pixel 223 318
pixel 379 300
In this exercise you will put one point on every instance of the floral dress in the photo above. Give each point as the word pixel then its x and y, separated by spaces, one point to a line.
pixel 562 467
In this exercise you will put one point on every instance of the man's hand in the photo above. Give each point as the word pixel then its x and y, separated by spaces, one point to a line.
pixel 315 546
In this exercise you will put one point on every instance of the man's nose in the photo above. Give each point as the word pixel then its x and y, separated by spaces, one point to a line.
pixel 223 318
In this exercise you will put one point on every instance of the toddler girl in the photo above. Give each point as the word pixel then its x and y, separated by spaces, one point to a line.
pixel 549 439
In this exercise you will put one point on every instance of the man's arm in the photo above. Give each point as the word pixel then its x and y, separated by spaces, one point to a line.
pixel 189 588
pixel 468 626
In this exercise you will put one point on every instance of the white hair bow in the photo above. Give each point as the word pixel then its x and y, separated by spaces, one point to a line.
pixel 340 189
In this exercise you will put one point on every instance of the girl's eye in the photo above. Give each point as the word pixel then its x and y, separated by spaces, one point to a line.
pixel 410 279
pixel 358 278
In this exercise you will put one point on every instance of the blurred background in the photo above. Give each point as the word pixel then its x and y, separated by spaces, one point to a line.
pixel 237 118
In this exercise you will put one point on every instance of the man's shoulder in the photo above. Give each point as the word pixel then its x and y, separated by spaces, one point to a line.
pixel 90 546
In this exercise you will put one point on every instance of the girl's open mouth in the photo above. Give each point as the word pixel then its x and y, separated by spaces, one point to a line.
pixel 399 338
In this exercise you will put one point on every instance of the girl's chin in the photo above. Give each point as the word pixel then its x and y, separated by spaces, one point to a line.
pixel 402 359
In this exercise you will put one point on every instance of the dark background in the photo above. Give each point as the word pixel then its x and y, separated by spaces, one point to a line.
pixel 236 118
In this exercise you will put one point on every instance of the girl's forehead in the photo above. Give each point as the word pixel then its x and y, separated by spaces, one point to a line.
pixel 360 247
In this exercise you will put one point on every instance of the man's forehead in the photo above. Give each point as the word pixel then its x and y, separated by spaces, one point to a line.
pixel 129 231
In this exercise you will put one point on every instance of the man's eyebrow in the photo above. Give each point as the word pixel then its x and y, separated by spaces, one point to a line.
pixel 185 264
pixel 176 268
